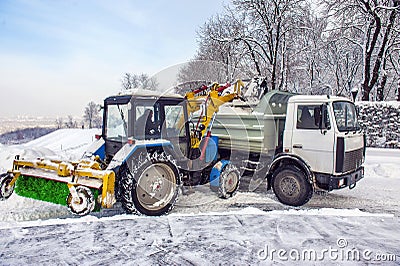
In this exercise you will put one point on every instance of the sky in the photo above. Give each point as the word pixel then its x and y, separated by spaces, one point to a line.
pixel 57 56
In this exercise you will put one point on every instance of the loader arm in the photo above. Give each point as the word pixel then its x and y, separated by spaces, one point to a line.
pixel 208 100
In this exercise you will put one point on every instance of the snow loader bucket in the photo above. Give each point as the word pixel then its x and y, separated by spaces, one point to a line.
pixel 75 184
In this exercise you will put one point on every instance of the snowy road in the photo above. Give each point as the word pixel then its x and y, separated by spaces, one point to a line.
pixel 247 237
pixel 359 226
pixel 378 192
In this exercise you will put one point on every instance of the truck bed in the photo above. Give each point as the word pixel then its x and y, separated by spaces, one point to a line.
pixel 249 132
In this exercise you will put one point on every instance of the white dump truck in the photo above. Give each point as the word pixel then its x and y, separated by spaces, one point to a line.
pixel 301 144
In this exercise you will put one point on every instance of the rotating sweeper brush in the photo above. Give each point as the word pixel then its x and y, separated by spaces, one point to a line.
pixel 75 184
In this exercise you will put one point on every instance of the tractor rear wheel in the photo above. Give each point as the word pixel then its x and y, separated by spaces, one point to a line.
pixel 5 190
pixel 152 187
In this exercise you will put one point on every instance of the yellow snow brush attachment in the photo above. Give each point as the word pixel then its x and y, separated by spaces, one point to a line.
pixel 80 183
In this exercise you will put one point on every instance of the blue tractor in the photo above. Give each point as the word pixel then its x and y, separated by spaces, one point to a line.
pixel 150 146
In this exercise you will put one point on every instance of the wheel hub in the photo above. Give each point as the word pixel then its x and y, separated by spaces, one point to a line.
pixel 83 202
pixel 156 186
pixel 289 186
pixel 231 181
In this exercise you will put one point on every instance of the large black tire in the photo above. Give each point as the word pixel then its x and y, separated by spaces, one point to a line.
pixel 228 181
pixel 5 191
pixel 85 204
pixel 291 187
pixel 152 186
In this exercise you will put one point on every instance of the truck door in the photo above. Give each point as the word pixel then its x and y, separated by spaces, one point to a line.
pixel 313 144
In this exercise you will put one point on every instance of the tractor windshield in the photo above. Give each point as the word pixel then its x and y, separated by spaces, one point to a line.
pixel 346 116
pixel 116 124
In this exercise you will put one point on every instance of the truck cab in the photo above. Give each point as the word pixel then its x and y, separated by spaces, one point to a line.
pixel 300 143
pixel 323 131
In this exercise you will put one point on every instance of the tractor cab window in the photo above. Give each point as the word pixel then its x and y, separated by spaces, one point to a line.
pixel 117 121
pixel 174 121
pixel 147 123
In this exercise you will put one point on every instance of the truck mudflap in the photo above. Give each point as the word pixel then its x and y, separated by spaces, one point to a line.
pixel 331 182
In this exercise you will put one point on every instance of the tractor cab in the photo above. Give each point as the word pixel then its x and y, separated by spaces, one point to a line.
pixel 144 117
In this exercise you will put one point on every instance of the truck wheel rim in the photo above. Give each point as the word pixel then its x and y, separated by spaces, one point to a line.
pixel 231 182
pixel 156 186
pixel 290 186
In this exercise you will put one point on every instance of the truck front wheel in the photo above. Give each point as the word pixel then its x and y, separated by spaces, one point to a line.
pixel 291 187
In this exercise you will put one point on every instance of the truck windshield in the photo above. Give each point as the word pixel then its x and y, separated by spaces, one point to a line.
pixel 116 127
pixel 346 116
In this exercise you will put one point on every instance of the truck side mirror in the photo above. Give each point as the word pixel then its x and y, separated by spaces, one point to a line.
pixel 324 118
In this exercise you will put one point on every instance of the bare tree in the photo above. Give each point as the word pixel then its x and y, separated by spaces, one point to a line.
pixel 374 20
pixel 253 36
pixel 219 57
pixel 71 123
pixel 353 45
pixel 92 116
pixel 59 122
pixel 141 81
pixel 305 67
pixel 268 34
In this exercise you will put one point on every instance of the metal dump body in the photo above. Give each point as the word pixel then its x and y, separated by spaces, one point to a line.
pixel 258 131
pixel 250 133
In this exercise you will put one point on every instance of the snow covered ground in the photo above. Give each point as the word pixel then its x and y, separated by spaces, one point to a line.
pixel 359 226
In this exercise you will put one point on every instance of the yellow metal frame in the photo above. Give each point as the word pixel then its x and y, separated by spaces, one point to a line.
pixel 75 171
